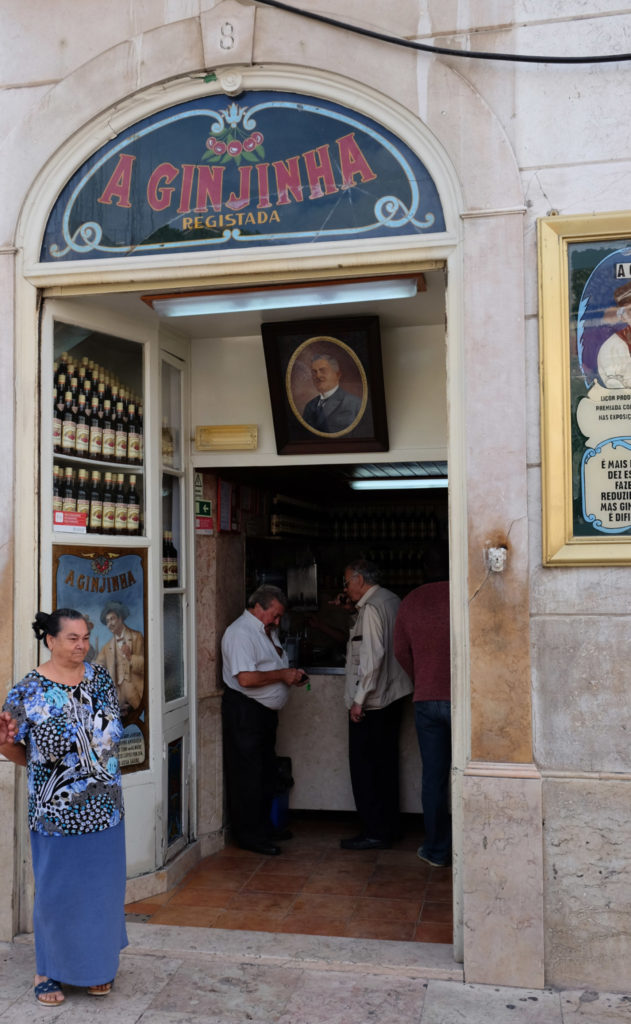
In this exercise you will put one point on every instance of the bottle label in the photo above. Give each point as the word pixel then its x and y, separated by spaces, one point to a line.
pixel 121 445
pixel 109 516
pixel 96 516
pixel 96 442
pixel 56 431
pixel 172 572
pixel 120 518
pixel 133 447
pixel 58 504
pixel 83 506
pixel 82 438
pixel 133 518
pixel 68 435
pixel 165 571
pixel 69 505
pixel 109 443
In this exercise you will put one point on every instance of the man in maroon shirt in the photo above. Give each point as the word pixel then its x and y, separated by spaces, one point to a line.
pixel 421 645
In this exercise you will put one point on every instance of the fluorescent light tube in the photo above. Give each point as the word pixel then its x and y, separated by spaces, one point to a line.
pixel 399 483
pixel 285 298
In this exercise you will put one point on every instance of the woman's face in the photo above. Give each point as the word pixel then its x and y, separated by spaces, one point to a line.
pixel 72 641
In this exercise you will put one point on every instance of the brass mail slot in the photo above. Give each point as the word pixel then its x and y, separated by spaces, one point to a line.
pixel 227 437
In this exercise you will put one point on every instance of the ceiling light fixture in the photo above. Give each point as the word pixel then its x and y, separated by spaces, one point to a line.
pixel 327 293
pixel 399 484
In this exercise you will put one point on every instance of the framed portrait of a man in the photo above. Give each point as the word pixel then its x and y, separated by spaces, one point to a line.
pixel 326 385
pixel 585 345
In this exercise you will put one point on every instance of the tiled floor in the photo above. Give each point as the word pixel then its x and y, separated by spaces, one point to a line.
pixel 313 888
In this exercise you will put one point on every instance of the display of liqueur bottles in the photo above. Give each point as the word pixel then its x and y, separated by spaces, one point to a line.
pixel 111 507
pixel 95 417
pixel 170 572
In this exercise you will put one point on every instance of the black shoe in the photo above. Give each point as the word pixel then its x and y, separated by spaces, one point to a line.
pixel 364 843
pixel 267 849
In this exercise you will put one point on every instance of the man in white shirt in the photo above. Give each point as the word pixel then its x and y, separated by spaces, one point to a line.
pixel 376 686
pixel 257 679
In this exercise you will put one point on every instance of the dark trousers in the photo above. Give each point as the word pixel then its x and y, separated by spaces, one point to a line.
pixel 249 736
pixel 433 728
pixel 373 753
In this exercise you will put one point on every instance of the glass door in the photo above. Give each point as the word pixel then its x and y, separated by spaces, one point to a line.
pixel 177 753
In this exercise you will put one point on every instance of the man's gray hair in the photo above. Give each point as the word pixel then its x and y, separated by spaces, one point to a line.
pixel 368 570
pixel 331 360
pixel 265 594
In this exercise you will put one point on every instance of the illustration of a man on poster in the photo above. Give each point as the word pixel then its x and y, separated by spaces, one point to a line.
pixel 123 656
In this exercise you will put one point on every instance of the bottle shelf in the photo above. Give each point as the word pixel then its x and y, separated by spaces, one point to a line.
pixel 84 460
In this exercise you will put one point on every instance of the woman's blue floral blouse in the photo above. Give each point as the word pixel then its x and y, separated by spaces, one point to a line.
pixel 72 736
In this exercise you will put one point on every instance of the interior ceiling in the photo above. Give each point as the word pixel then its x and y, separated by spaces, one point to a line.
pixel 333 480
pixel 424 309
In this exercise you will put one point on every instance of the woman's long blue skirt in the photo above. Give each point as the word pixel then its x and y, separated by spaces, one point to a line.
pixel 79 914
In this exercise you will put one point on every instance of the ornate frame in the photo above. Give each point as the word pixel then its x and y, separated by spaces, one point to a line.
pixel 583 261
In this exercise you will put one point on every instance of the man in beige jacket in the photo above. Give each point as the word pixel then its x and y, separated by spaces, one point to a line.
pixel 376 687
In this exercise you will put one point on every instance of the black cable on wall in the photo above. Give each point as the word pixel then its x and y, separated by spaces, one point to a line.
pixel 610 58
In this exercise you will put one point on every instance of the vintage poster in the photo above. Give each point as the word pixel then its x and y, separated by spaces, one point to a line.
pixel 109 589
pixel 600 381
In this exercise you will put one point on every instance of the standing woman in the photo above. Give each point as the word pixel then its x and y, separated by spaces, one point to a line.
pixel 68 730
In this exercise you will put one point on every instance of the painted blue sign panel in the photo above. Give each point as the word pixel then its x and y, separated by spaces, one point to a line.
pixel 269 169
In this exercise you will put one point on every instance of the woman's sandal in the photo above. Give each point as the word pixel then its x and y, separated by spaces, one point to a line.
pixel 46 988
pixel 100 990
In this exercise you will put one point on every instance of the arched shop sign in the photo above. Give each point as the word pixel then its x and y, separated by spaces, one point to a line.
pixel 270 168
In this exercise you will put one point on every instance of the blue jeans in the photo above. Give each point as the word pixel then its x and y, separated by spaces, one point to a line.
pixel 433 728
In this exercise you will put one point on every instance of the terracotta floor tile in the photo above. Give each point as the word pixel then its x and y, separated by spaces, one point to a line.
pixel 437 913
pixel 398 931
pixel 286 866
pixel 439 892
pixel 275 883
pixel 191 896
pixel 386 910
pixel 148 906
pixel 434 933
pixel 401 890
pixel 332 885
pixel 320 905
pixel 273 903
pixel 199 917
pixel 231 881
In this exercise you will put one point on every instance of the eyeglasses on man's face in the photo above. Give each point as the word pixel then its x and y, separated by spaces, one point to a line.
pixel 348 579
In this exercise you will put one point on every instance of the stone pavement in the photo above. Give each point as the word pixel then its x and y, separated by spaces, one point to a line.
pixel 172 975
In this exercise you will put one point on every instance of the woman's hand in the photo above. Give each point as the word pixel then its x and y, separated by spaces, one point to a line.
pixel 8 728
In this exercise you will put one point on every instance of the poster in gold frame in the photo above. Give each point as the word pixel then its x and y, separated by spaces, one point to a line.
pixel 585 388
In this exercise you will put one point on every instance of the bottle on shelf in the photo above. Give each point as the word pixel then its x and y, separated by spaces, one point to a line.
pixel 133 507
pixel 109 434
pixel 120 501
pixel 58 409
pixel 68 493
pixel 57 483
pixel 168 446
pixel 82 434
pixel 95 520
pixel 83 497
pixel 170 573
pixel 68 427
pixel 166 574
pixel 109 506
pixel 120 434
pixel 95 442
pixel 133 436
pixel 141 434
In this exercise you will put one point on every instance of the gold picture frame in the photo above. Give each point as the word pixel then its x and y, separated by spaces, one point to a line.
pixel 584 265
